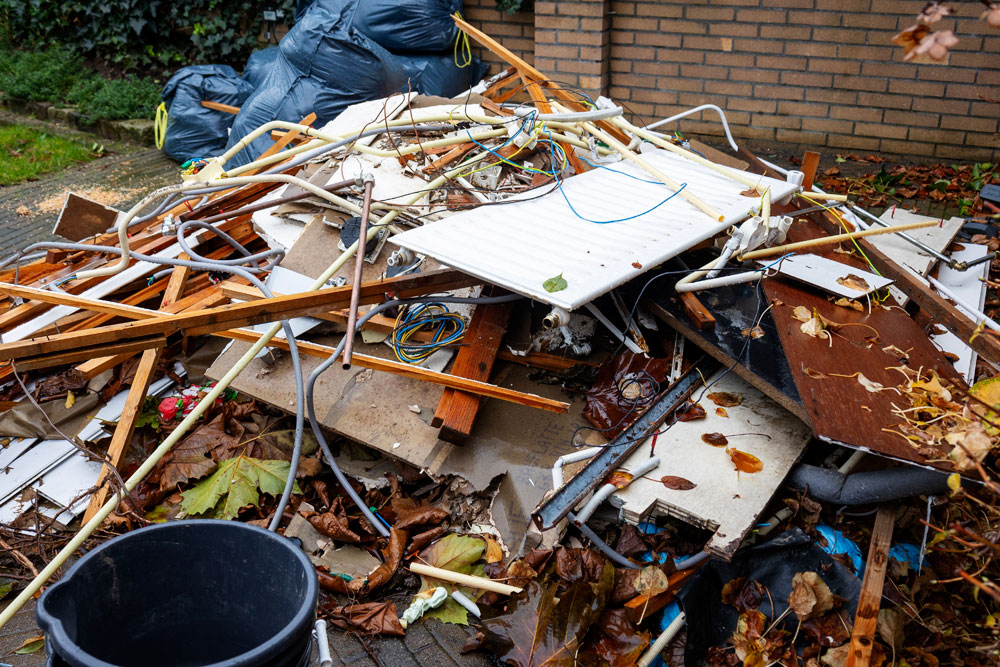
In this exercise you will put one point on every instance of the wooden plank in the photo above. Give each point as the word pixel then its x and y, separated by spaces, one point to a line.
pixel 549 362
pixel 379 323
pixel 71 356
pixel 177 283
pixel 535 91
pixel 870 598
pixel 840 408
pixel 475 361
pixel 810 163
pixel 218 106
pixel 696 310
pixel 412 372
pixel 242 314
pixel 454 154
pixel 125 427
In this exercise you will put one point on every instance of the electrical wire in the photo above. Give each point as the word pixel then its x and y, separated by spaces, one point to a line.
pixel 449 329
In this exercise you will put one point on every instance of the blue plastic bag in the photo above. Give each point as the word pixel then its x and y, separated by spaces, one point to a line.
pixel 437 73
pixel 193 130
pixel 259 65
pixel 322 67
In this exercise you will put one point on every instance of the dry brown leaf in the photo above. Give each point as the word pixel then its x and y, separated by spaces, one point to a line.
pixel 745 462
pixel 725 399
pixel 854 282
pixel 721 412
pixel 844 302
pixel 677 483
pixel 810 596
pixel 715 439
pixel 494 554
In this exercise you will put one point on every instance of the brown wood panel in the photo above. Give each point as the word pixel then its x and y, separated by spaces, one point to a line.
pixel 840 408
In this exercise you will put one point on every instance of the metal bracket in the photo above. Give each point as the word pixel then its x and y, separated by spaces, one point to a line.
pixel 565 498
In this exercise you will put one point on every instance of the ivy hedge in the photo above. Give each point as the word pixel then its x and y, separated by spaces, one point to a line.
pixel 130 35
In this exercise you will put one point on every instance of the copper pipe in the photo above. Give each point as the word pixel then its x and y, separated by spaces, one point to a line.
pixel 359 265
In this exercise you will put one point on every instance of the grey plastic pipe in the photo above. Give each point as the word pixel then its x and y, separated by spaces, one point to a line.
pixel 863 488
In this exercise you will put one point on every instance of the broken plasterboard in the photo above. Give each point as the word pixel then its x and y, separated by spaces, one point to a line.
pixel 970 287
pixel 831 276
pixel 723 500
pixel 522 244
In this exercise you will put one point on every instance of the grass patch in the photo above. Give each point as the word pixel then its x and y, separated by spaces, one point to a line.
pixel 27 153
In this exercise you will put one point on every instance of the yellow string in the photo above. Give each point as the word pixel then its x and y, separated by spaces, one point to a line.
pixel 462 43
pixel 160 126
pixel 847 229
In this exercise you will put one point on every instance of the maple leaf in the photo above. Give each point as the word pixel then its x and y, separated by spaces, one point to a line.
pixel 236 483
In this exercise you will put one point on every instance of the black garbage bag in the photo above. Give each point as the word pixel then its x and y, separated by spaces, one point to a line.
pixel 193 130
pixel 323 66
pixel 774 564
pixel 414 26
pixel 437 73
pixel 259 65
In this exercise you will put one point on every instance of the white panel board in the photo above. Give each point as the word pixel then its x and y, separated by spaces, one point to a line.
pixel 724 501
pixel 522 244
pixel 969 286
pixel 830 275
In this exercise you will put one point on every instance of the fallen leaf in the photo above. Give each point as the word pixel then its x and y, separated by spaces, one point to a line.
pixel 854 282
pixel 725 399
pixel 370 618
pixel 458 553
pixel 409 513
pixel 844 302
pixel 31 645
pixel 954 484
pixel 890 627
pixel 870 385
pixel 494 554
pixel 542 626
pixel 630 542
pixel 613 641
pixel 814 374
pixel 237 483
pixel 636 265
pixel 754 333
pixel 830 629
pixel 677 483
pixel 810 596
pixel 5 589
pixel 721 412
pixel 970 446
pixel 690 412
pixel 745 462
pixel 555 284
pixel 747 636
pixel 715 439
pixel 333 523
pixel 573 565
pixel 70 400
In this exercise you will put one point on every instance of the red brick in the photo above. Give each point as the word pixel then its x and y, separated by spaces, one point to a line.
pixel 884 101
pixel 709 13
pixel 660 9
pixel 936 136
pixel 811 49
pixel 733 29
pixel 865 114
pixel 827 125
pixel 871 84
pixel 869 20
pixel 941 106
pixel 946 73
pixel 894 117
pixel 656 67
pixel 778 92
pixel 802 138
pixel 969 123
pixel 728 88
pixel 784 32
pixel 851 141
pixel 880 130
pixel 725 59
pixel 834 66
pixel 781 62
pixel 752 104
pixel 915 88
pixel 900 71
pixel 704 72
pixel 633 52
pixel 761 16
pixel 754 75
pixel 658 39
pixel 967 153
pixel 906 147
pixel 802 109
pixel 788 122
pixel 986 109
pixel 839 35
pixel 815 18
pixel 806 79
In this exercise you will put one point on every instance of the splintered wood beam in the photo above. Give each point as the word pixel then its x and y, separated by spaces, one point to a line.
pixel 379 323
pixel 178 281
pixel 229 316
pixel 412 372
pixel 72 356
pixel 219 106
pixel 529 72
pixel 810 163
pixel 125 427
pixel 474 360
pixel 870 598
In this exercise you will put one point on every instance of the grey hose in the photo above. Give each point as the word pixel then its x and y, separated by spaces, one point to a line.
pixel 603 546
pixel 863 488
pixel 311 385
pixel 275 255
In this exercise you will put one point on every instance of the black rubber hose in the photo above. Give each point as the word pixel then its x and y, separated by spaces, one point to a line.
pixel 863 488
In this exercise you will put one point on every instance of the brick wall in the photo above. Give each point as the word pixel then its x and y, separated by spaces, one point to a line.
pixel 819 73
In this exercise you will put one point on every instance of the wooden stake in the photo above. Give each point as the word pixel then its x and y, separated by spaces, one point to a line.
pixel 870 598
pixel 810 163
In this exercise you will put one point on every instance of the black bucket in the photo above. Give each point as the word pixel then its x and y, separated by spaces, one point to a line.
pixel 186 593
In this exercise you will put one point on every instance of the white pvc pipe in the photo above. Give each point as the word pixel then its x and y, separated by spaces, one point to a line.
pixel 469 605
pixel 619 334
pixel 323 644
pixel 703 107
pixel 572 457
pixel 962 303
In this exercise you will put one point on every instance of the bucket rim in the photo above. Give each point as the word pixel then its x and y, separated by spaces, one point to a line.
pixel 53 626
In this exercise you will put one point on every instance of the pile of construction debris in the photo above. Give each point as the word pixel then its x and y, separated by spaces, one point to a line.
pixel 595 384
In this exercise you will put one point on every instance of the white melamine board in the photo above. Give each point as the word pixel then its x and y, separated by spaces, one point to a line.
pixel 969 286
pixel 724 501
pixel 31 465
pixel 824 274
pixel 522 244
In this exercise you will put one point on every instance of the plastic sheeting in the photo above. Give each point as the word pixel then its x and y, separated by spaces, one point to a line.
pixel 324 67
pixel 192 130
pixel 414 26
pixel 259 65
pixel 437 73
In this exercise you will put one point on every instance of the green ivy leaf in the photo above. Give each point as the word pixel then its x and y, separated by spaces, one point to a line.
pixel 457 553
pixel 556 284
pixel 236 483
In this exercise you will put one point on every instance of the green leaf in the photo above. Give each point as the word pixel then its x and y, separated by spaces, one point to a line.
pixel 457 553
pixel 5 589
pixel 556 284
pixel 236 483
pixel 841 159
pixel 31 645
